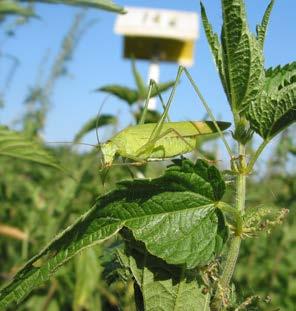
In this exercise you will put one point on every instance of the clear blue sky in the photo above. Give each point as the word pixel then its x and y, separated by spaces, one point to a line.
pixel 98 61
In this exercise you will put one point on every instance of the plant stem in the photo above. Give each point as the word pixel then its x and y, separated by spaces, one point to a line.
pixel 231 262
pixel 236 241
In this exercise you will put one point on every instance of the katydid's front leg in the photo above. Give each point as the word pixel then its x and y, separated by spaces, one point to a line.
pixel 152 84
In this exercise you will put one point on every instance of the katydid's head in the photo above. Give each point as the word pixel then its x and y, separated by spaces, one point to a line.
pixel 108 150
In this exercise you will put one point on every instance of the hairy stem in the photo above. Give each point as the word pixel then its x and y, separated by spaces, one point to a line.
pixel 236 241
pixel 230 262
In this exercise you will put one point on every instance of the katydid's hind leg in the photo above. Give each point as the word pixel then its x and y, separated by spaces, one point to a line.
pixel 187 143
pixel 208 109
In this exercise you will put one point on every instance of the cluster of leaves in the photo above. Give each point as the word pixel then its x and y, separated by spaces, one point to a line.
pixel 39 201
pixel 165 214
pixel 261 100
pixel 42 213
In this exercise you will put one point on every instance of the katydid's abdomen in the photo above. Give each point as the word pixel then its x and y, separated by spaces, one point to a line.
pixel 175 138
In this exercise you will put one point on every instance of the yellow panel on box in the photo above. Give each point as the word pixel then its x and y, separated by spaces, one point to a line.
pixel 158 34
pixel 170 50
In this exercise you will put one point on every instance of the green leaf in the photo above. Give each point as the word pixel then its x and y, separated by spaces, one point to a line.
pixel 242 57
pixel 175 216
pixel 275 108
pixel 161 87
pixel 279 77
pixel 84 233
pixel 215 45
pixel 107 5
pixel 163 286
pixel 95 123
pixel 128 95
pixel 13 7
pixel 261 29
pixel 14 144
pixel 141 86
pixel 87 268
pixel 152 116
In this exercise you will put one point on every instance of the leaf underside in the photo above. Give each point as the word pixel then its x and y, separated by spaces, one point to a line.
pixel 266 98
pixel 178 208
pixel 261 29
pixel 275 108
pixel 215 46
pixel 242 56
pixel 163 286
pixel 129 95
pixel 239 57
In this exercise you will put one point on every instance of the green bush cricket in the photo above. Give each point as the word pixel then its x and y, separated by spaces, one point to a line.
pixel 162 140
pixel 174 138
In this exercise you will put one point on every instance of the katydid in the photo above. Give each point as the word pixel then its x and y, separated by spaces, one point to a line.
pixel 162 140
pixel 174 138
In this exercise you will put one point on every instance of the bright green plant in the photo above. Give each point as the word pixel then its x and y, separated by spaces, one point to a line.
pixel 181 238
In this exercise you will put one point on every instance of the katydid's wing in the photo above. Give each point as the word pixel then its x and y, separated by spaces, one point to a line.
pixel 194 128
pixel 143 132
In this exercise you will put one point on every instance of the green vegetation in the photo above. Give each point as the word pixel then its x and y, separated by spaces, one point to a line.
pixel 190 236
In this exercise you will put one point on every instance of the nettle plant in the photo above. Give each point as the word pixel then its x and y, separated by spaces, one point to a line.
pixel 181 240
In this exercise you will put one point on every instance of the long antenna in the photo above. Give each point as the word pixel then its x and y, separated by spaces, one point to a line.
pixel 69 142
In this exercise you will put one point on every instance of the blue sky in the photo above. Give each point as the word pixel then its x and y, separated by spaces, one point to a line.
pixel 98 61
